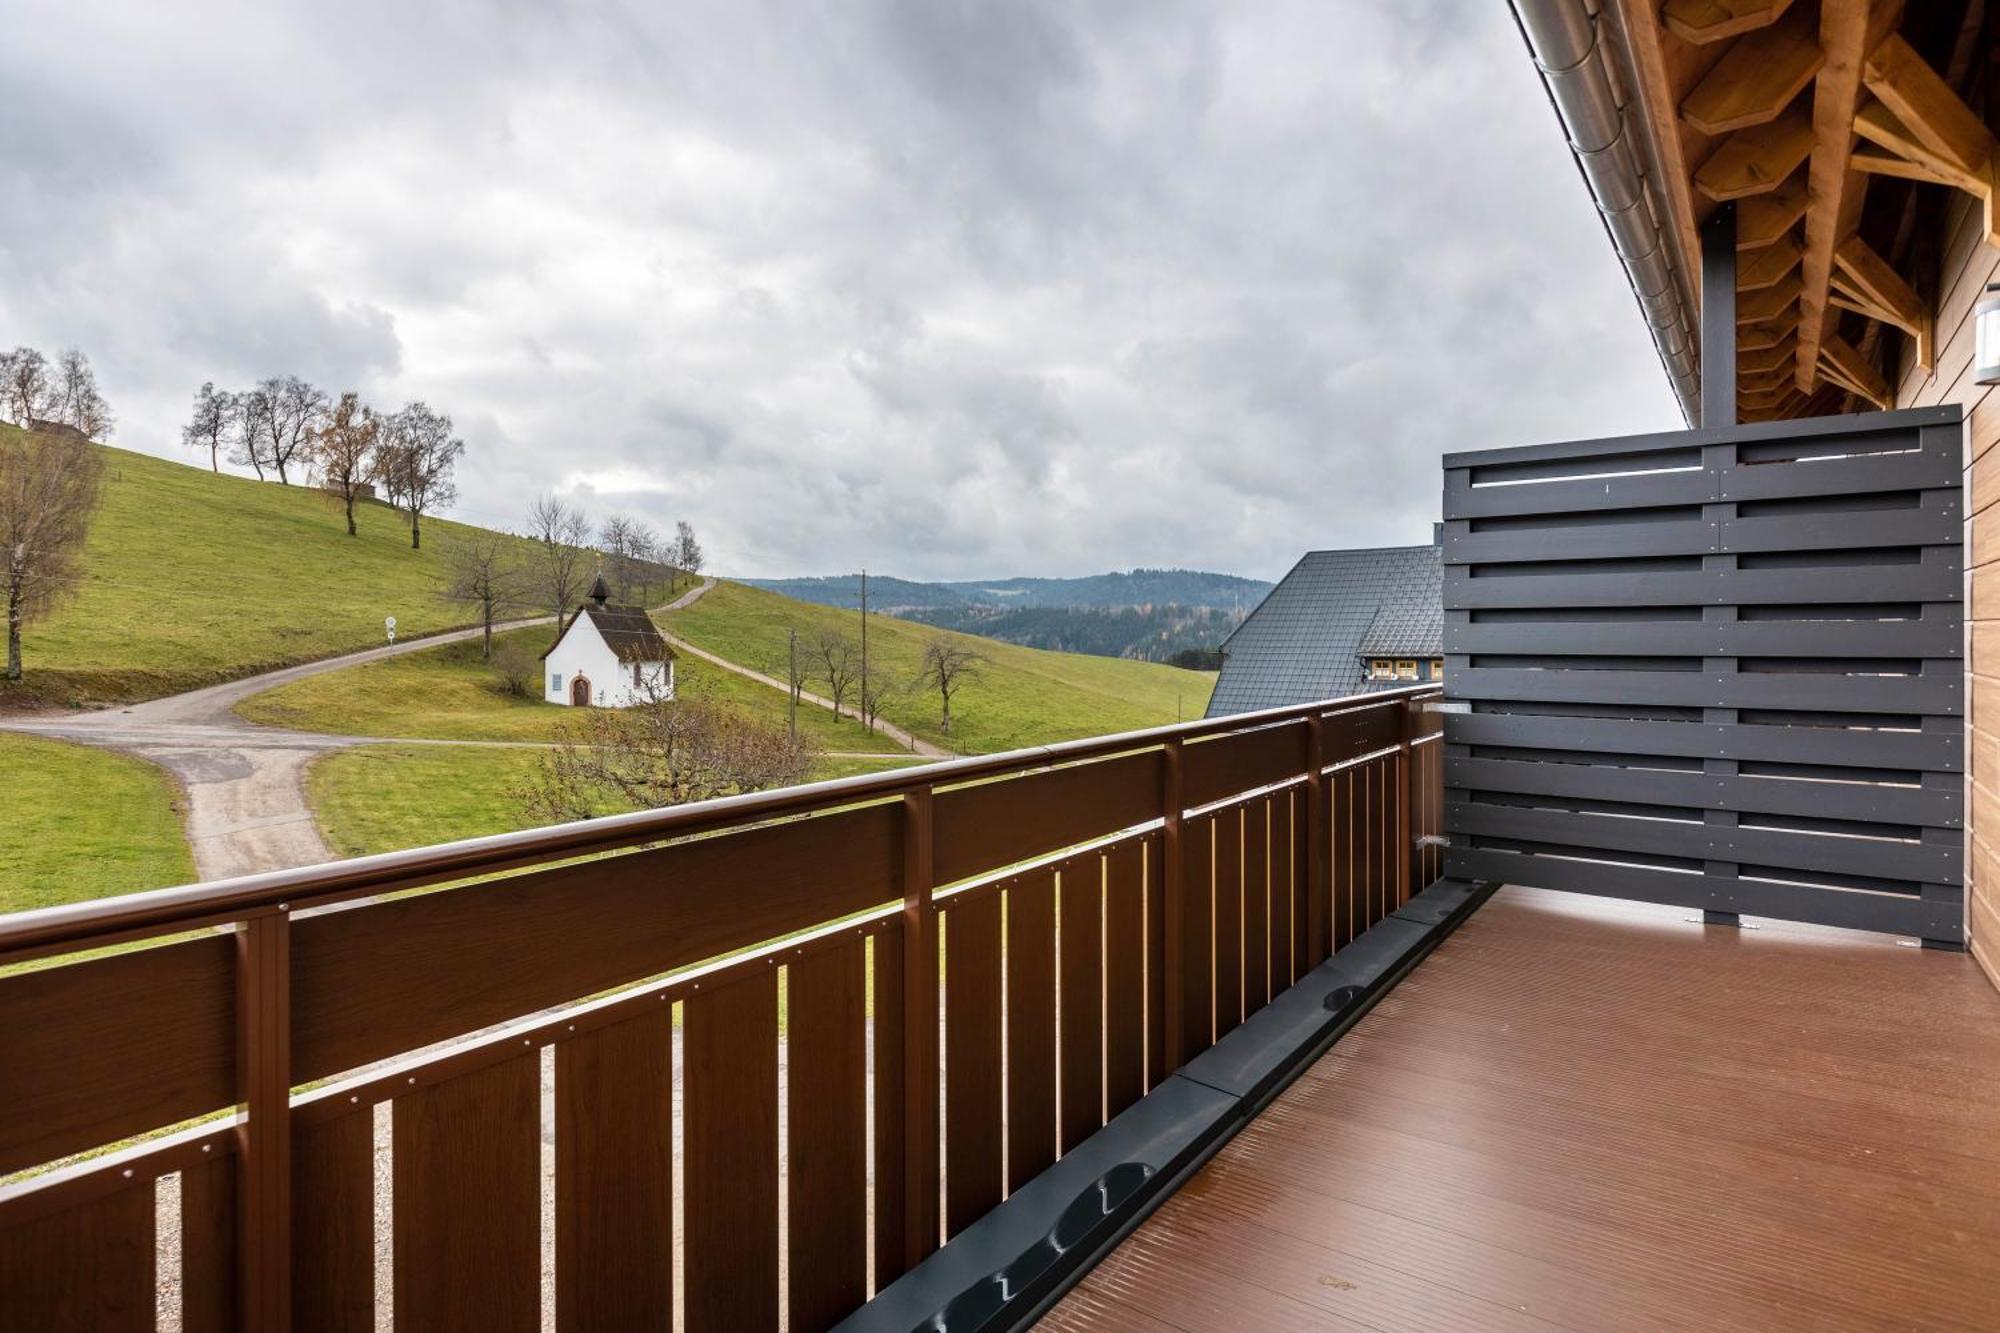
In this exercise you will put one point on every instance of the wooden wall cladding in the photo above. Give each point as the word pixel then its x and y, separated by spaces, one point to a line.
pixel 1720 668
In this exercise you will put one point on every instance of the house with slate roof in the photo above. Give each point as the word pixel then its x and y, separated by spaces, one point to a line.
pixel 608 656
pixel 1340 623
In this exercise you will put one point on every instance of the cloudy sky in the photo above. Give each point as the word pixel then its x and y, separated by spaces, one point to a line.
pixel 944 288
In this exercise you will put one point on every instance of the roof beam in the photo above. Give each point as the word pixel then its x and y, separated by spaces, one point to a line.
pixel 1848 368
pixel 1888 164
pixel 1765 267
pixel 1767 303
pixel 1912 90
pixel 1757 160
pixel 1869 276
pixel 1847 29
pixel 1768 360
pixel 1880 126
pixel 1756 337
pixel 1702 21
pixel 1757 78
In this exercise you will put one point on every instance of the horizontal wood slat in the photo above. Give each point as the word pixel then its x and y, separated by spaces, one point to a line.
pixel 85 1269
pixel 372 981
pixel 1764 629
pixel 1227 765
pixel 993 824
pixel 96 1051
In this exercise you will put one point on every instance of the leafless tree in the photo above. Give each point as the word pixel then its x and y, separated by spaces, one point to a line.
pixel 48 492
pixel 25 389
pixel 77 402
pixel 874 687
pixel 480 573
pixel 947 666
pixel 649 558
pixel 419 454
pixel 660 752
pixel 559 531
pixel 834 661
pixel 516 668
pixel 243 424
pixel 344 449
pixel 618 540
pixel 281 416
pixel 687 556
pixel 208 428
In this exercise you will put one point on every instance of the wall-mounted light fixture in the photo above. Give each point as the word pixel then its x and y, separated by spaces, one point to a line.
pixel 1986 336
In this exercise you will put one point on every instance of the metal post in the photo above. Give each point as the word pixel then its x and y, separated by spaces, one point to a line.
pixel 263 1133
pixel 921 1083
pixel 1718 318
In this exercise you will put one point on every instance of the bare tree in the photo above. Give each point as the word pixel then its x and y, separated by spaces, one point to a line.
pixel 344 450
pixel 648 557
pixel 687 556
pixel 834 659
pixel 618 539
pixel 517 669
pixel 77 403
pixel 25 389
pixel 246 413
pixel 480 573
pixel 48 491
pixel 874 687
pixel 209 427
pixel 281 416
pixel 419 455
pixel 947 666
pixel 660 752
pixel 559 531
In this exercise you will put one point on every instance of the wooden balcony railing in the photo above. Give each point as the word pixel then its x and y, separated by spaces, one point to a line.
pixel 794 1039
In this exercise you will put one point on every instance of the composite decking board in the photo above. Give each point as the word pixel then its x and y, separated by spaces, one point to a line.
pixel 1508 1136
pixel 1939 635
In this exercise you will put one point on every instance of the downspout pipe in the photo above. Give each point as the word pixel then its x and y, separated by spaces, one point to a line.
pixel 1565 37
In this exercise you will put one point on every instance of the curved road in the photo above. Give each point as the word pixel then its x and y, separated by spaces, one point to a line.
pixel 245 782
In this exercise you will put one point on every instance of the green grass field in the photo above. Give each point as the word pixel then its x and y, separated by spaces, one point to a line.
pixel 83 823
pixel 451 693
pixel 1024 696
pixel 194 578
pixel 382 798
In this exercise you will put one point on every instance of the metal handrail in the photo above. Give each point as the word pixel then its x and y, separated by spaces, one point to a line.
pixel 156 911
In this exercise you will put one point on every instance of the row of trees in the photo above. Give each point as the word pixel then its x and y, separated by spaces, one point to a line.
pixel 287 425
pixel 38 393
pixel 496 576
pixel 832 662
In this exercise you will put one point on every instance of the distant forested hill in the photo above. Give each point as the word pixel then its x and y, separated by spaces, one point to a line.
pixel 1150 614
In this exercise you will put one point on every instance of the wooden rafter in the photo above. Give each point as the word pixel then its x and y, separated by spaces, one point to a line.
pixel 1762 219
pixel 1888 164
pixel 1773 360
pixel 1846 30
pixel 1766 303
pixel 1846 367
pixel 1881 126
pixel 1925 124
pixel 1756 337
pixel 1757 77
pixel 1704 21
pixel 1757 269
pixel 1757 160
pixel 1863 274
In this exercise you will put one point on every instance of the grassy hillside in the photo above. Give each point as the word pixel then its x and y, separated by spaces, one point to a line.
pixel 382 798
pixel 194 578
pixel 84 823
pixel 1024 696
pixel 450 693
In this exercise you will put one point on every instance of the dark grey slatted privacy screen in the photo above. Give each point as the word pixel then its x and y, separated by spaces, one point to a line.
pixel 1720 669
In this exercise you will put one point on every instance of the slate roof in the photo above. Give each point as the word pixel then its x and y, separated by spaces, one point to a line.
pixel 1307 638
pixel 628 630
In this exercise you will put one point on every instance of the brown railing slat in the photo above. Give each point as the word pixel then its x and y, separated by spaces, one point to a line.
pixel 264 1133
pixel 1172 895
pixel 208 1247
pixel 826 1123
pixel 886 1001
pixel 1031 1027
pixel 921 1158
pixel 1316 858
pixel 467 1172
pixel 333 1224
pixel 97 1051
pixel 1227 765
pixel 1227 827
pixel 1124 976
pixel 1080 952
pixel 971 1060
pixel 615 1176
pixel 729 1088
pixel 1156 960
pixel 995 824
pixel 85 1269
pixel 1342 830
pixel 1197 973
pixel 375 980
pixel 1257 914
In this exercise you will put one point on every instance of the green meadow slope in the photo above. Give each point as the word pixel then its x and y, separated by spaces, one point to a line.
pixel 194 578
pixel 76 823
pixel 1022 696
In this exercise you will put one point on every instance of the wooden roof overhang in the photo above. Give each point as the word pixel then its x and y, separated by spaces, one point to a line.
pixel 1836 127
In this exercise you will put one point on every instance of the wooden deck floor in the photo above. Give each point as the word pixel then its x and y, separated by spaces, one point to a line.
pixel 1588 1114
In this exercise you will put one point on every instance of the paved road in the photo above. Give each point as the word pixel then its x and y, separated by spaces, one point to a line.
pixel 245 783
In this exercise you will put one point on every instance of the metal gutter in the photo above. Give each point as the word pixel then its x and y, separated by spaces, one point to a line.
pixel 1567 40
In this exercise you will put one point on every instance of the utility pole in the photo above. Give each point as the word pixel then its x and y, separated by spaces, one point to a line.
pixel 867 718
pixel 792 686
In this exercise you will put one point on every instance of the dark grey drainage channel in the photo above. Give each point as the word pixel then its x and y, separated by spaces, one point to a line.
pixel 1005 1270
